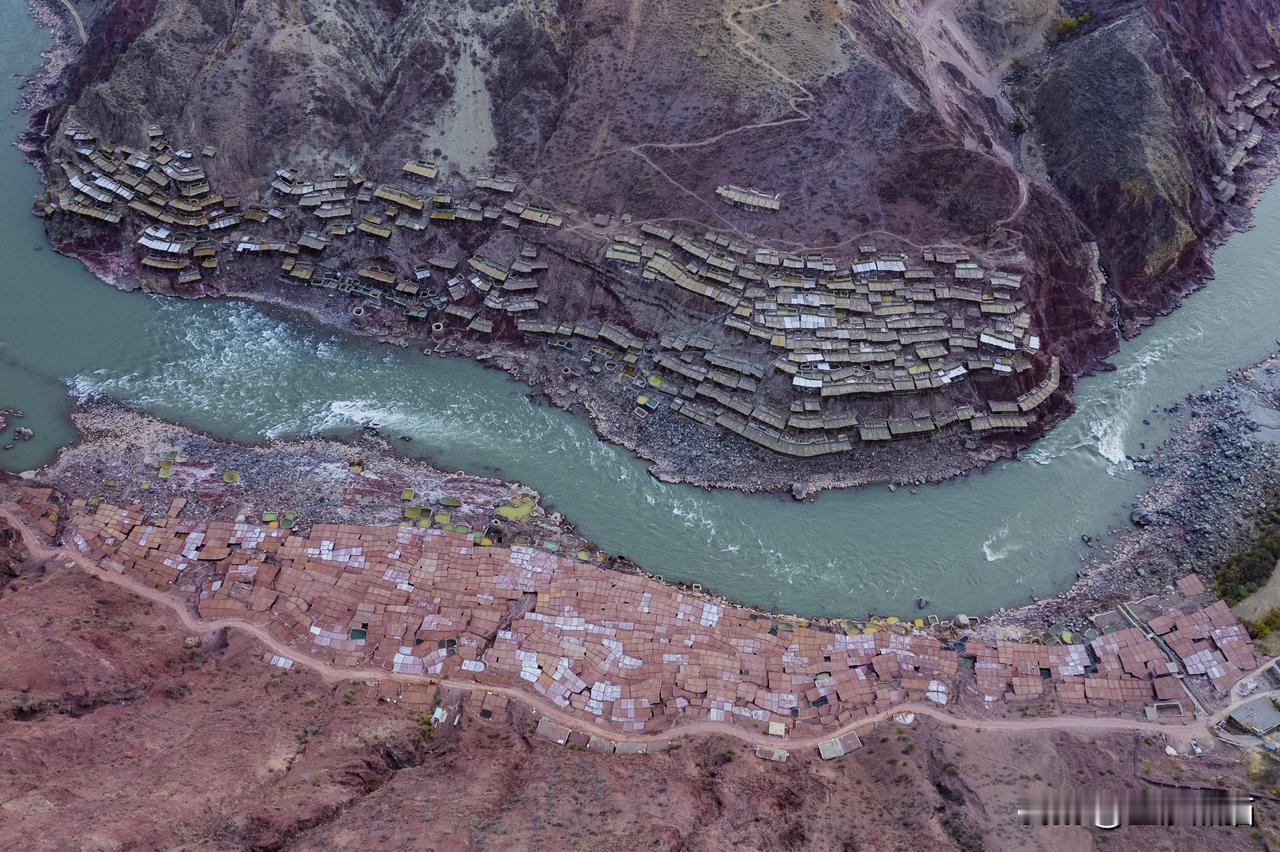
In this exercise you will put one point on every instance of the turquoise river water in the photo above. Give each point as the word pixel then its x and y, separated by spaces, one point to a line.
pixel 970 545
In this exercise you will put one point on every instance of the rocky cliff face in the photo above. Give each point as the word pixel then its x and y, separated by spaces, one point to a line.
pixel 324 82
pixel 1130 117
pixel 879 122
pixel 871 119
pixel 832 106
pixel 12 554
pixel 1006 28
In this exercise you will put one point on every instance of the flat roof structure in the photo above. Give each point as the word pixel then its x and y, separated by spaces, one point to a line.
pixel 750 198
pixel 422 169
pixel 1258 717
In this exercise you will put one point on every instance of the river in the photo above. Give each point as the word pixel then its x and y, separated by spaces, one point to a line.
pixel 970 545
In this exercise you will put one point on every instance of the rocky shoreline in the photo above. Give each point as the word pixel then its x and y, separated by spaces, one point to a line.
pixel 679 451
pixel 1207 481
pixel 321 527
pixel 665 439
pixel 123 453
pixel 120 455
pixel 723 460
pixel 1185 524
pixel 1208 478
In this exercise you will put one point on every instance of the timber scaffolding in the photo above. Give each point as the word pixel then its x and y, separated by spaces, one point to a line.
pixel 750 199
pixel 815 353
pixel 865 345
pixel 1241 123
pixel 186 222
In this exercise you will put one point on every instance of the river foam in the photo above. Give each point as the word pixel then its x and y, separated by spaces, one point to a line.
pixel 245 373
pixel 998 546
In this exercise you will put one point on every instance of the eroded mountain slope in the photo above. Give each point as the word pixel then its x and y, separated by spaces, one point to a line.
pixel 1137 119
pixel 912 261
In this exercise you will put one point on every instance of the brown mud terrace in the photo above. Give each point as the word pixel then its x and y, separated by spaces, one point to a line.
pixel 183 617
pixel 785 245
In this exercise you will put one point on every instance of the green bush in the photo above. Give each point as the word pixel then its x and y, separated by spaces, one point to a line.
pixel 1264 626
pixel 424 726
pixel 1068 27
pixel 1247 571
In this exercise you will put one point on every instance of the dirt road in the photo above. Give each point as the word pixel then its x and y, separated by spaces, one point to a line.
pixel 75 17
pixel 330 674
pixel 745 39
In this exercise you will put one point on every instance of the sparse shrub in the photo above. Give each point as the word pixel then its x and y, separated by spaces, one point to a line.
pixel 1068 27
pixel 951 769
pixel 1268 624
pixel 965 836
pixel 1249 570
pixel 424 727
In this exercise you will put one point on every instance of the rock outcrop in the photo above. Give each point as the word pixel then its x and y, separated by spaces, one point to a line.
pixel 1006 28
pixel 1130 117
pixel 13 555
pixel 881 126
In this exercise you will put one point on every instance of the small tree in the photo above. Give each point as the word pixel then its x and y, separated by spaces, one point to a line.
pixel 424 726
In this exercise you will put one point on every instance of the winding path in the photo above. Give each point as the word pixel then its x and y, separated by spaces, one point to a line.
pixel 75 17
pixel 331 674
pixel 1023 195
pixel 932 26
pixel 805 96
pixel 745 39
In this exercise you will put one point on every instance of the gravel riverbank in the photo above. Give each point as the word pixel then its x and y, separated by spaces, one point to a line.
pixel 1208 479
